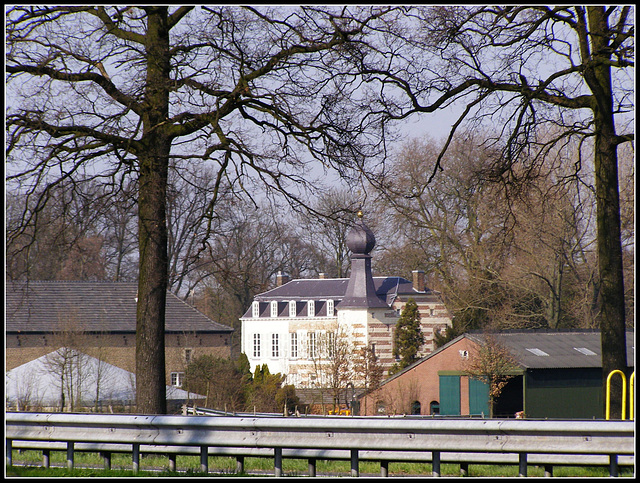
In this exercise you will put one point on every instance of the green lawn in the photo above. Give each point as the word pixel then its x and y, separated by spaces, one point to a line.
pixel 90 465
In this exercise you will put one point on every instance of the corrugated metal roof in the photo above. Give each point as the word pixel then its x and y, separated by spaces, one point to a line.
pixel 93 307
pixel 556 349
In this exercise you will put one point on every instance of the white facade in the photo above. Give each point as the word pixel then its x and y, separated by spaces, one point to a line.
pixel 294 344
pixel 290 344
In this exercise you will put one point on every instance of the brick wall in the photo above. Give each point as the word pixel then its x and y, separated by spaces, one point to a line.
pixel 421 383
pixel 116 349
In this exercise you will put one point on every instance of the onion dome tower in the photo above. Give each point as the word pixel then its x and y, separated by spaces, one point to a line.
pixel 361 291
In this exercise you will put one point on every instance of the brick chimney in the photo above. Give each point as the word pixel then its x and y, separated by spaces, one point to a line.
pixel 281 279
pixel 418 280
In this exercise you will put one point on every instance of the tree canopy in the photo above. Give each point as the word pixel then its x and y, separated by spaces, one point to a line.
pixel 408 337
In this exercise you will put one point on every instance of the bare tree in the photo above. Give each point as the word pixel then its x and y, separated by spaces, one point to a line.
pixel 337 351
pixel 327 233
pixel 492 364
pixel 526 68
pixel 65 243
pixel 368 371
pixel 127 90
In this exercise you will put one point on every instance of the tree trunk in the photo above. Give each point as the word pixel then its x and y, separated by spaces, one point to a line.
pixel 152 226
pixel 612 320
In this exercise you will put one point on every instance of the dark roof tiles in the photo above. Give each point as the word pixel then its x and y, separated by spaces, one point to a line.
pixel 321 289
pixel 92 307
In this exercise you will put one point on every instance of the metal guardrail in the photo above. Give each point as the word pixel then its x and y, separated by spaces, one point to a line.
pixel 545 442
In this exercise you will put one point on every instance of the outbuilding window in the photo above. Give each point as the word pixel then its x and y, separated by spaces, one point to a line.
pixel 177 378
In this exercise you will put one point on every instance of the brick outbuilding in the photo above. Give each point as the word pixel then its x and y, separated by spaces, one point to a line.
pixel 558 375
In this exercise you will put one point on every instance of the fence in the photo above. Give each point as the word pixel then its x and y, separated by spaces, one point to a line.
pixel 490 441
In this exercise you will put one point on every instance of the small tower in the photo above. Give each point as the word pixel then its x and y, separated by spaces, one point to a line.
pixel 361 291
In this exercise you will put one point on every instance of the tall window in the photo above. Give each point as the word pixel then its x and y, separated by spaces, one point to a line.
pixel 187 355
pixel 331 344
pixel 294 344
pixel 292 308
pixel 311 308
pixel 274 308
pixel 275 347
pixel 311 345
pixel 255 309
pixel 329 308
pixel 256 345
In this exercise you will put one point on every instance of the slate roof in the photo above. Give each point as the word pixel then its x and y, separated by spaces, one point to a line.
pixel 388 288
pixel 92 307
pixel 539 349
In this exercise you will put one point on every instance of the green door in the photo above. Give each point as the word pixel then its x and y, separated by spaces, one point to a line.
pixel 450 395
pixel 478 397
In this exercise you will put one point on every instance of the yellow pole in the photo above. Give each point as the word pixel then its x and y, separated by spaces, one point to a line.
pixel 624 394
pixel 631 381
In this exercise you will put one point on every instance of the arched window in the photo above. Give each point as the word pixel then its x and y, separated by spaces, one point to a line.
pixel 434 408
pixel 415 407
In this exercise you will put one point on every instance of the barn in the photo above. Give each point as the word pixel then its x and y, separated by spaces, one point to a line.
pixel 558 374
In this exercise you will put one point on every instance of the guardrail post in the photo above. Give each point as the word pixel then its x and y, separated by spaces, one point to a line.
pixel 613 465
pixel 106 459
pixel 45 458
pixel 70 454
pixel 384 468
pixel 548 471
pixel 9 453
pixel 435 463
pixel 204 459
pixel 464 469
pixel 312 466
pixel 172 462
pixel 239 464
pixel 277 461
pixel 522 464
pixel 355 469
pixel 135 456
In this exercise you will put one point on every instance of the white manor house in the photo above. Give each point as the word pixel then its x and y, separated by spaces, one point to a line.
pixel 290 328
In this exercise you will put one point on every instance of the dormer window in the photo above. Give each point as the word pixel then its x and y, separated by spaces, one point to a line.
pixel 329 308
pixel 311 308
pixel 274 308
pixel 292 308
pixel 255 310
